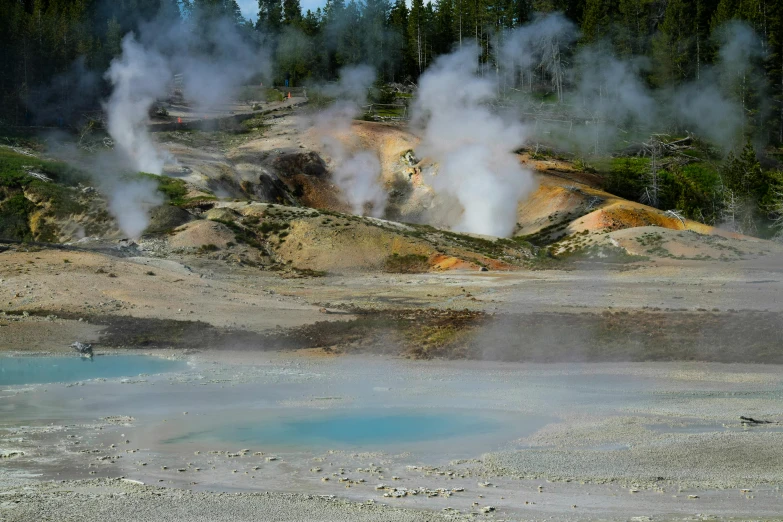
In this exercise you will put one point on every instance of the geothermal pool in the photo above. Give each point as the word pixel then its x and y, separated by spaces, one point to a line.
pixel 345 428
pixel 42 370
pixel 362 429
pixel 358 427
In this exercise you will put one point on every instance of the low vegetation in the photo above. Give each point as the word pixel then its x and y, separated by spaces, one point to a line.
pixel 33 193
pixel 406 264
pixel 735 192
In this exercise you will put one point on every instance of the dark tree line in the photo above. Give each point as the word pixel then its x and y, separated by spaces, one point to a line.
pixel 679 39
pixel 53 52
pixel 54 43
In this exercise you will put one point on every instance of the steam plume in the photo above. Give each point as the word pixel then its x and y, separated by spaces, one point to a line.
pixel 131 201
pixel 472 144
pixel 140 77
pixel 603 98
pixel 214 62
pixel 356 173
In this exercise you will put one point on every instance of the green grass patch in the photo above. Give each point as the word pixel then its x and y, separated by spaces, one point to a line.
pixel 15 169
pixel 174 189
pixel 242 235
pixel 273 227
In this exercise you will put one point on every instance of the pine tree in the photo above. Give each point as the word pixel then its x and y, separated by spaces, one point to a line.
pixel 292 12
pixel 522 10
pixel 674 46
pixel 633 26
pixel 377 42
pixel 598 19
pixel 398 28
pixel 112 46
pixel 725 11
pixel 704 11
pixel 270 15
pixel 349 46
pixel 444 27
pixel 311 23
pixel 774 67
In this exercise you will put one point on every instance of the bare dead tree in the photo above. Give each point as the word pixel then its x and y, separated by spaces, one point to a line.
pixel 552 64
pixel 593 202
pixel 677 214
pixel 730 211
pixel 652 189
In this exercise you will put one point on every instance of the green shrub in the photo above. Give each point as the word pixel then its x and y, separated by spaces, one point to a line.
pixel 626 176
pixel 15 218
pixel 407 264
pixel 273 95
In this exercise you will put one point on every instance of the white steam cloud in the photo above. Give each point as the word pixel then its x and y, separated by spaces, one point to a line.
pixel 214 61
pixel 140 77
pixel 602 98
pixel 131 202
pixel 473 145
pixel 358 174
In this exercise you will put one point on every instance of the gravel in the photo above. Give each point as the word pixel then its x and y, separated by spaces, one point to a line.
pixel 120 500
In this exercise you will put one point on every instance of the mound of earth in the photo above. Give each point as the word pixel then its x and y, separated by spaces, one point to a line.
pixel 389 142
pixel 624 214
pixel 167 217
pixel 233 190
pixel 293 167
pixel 323 240
pixel 691 244
pixel 200 234
pixel 554 202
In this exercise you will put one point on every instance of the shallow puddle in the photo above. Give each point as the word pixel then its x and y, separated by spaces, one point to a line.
pixel 40 370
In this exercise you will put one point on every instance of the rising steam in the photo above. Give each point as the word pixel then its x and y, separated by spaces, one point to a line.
pixel 213 61
pixel 603 99
pixel 130 202
pixel 140 77
pixel 473 145
pixel 357 174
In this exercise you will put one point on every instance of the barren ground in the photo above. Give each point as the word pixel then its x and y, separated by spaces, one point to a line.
pixel 640 358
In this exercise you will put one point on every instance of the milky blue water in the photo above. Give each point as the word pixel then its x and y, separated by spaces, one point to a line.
pixel 39 370
pixel 358 428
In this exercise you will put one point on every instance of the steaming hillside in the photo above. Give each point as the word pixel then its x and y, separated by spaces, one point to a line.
pixel 270 200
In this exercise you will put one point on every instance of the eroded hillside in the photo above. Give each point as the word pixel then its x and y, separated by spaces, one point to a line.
pixel 264 194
